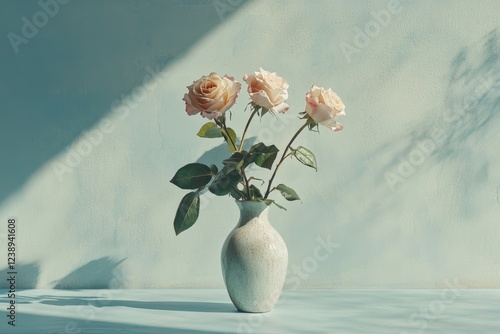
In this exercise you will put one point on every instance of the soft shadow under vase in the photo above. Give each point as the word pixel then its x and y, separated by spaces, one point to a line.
pixel 254 260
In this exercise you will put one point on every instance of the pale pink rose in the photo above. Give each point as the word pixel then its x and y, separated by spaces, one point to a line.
pixel 211 95
pixel 267 90
pixel 325 107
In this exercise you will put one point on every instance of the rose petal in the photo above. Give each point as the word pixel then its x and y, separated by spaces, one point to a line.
pixel 209 115
pixel 261 99
pixel 211 95
pixel 322 113
pixel 267 90
pixel 331 124
pixel 281 108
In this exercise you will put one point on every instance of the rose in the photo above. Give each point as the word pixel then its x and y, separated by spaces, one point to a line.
pixel 267 90
pixel 211 95
pixel 324 107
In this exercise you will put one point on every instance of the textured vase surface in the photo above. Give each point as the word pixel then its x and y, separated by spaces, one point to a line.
pixel 254 260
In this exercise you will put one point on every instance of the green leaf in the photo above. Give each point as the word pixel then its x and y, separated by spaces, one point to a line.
pixel 255 192
pixel 225 181
pixel 192 176
pixel 279 206
pixel 270 201
pixel 187 212
pixel 235 159
pixel 288 193
pixel 214 169
pixel 263 155
pixel 265 200
pixel 249 104
pixel 305 156
pixel 229 134
pixel 263 111
pixel 235 193
pixel 313 126
pixel 210 130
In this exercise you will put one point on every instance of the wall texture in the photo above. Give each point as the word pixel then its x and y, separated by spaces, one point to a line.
pixel 93 127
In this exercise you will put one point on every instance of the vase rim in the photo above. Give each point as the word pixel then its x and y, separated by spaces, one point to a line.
pixel 251 201
pixel 250 210
pixel 256 205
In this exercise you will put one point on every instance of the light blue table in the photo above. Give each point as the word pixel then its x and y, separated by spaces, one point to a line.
pixel 210 311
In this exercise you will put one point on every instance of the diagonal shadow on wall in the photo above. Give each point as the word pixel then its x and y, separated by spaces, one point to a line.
pixel 458 141
pixel 97 274
pixel 26 277
pixel 471 117
pixel 88 56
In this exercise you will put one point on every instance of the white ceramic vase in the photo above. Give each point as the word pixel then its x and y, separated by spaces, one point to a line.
pixel 254 260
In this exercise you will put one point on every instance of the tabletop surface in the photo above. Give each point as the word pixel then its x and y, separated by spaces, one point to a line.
pixel 146 311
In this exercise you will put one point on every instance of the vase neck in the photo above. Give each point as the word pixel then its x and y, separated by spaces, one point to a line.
pixel 250 210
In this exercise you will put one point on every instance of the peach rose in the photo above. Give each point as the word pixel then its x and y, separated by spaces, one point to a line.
pixel 324 107
pixel 211 95
pixel 267 90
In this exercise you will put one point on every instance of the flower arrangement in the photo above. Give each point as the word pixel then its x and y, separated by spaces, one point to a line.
pixel 212 96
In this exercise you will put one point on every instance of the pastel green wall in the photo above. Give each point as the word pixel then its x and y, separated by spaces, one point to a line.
pixel 408 192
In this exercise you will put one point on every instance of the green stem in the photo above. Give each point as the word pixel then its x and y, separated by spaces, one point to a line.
pixel 247 186
pixel 256 109
pixel 223 123
pixel 285 155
